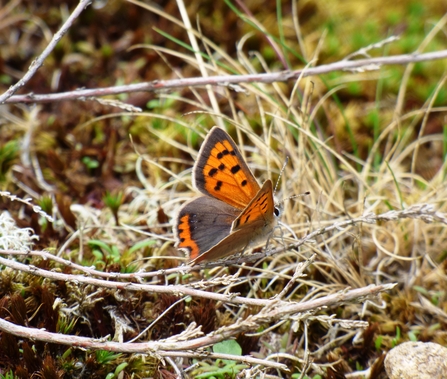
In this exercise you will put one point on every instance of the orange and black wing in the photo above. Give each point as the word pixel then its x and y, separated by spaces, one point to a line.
pixel 253 226
pixel 260 208
pixel 221 172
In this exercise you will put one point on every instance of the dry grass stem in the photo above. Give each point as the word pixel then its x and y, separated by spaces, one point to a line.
pixel 359 65
pixel 38 62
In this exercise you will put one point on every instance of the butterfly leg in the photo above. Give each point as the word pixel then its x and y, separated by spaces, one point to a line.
pixel 271 235
pixel 241 253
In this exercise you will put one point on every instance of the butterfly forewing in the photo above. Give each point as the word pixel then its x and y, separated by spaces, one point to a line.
pixel 221 171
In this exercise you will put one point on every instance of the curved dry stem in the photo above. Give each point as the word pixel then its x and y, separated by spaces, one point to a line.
pixel 226 80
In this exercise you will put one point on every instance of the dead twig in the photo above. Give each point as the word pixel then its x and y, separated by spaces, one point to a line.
pixel 38 62
pixel 226 80
pixel 189 340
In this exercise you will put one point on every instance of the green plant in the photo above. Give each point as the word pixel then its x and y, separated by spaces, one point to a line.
pixel 118 370
pixel 114 201
pixel 104 357
pixel 8 154
pixel 223 368
pixel 90 163
pixel 8 375
pixel 413 335
pixel 298 376
pixel 65 325
pixel 104 253
pixel 378 343
pixel 395 340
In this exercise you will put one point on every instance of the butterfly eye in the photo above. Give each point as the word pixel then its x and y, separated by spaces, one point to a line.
pixel 277 212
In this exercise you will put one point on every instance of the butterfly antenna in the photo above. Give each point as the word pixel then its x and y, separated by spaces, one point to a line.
pixel 294 197
pixel 280 174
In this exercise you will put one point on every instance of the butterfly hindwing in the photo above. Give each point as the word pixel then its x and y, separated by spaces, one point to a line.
pixel 233 243
pixel 249 228
pixel 221 171
pixel 202 223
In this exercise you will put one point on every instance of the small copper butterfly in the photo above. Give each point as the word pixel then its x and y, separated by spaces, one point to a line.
pixel 235 211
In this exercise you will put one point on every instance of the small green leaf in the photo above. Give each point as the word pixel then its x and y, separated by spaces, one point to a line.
pixel 228 347
pixel 412 336
pixel 421 290
pixel 142 245
pixel 101 245
pixel 90 163
pixel 67 353
pixel 121 367
pixel 378 343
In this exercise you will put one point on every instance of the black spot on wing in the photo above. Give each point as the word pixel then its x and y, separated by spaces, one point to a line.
pixel 235 169
pixel 264 203
pixel 223 153
pixel 218 186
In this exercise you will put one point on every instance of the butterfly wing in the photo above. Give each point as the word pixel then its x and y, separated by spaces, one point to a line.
pixel 202 223
pixel 231 244
pixel 221 172
pixel 251 227
pixel 260 209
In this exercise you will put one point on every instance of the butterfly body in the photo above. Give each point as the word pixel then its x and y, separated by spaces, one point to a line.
pixel 234 213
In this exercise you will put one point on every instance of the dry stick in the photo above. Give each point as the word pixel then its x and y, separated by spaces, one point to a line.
pixel 273 309
pixel 38 62
pixel 176 290
pixel 143 348
pixel 175 346
pixel 225 80
pixel 88 270
pixel 425 212
pixel 28 202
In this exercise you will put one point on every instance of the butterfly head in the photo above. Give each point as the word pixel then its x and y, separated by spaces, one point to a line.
pixel 277 209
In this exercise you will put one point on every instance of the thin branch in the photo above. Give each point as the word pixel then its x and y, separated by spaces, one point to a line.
pixel 225 80
pixel 38 62
pixel 177 290
pixel 173 345
pixel 425 212
pixel 28 202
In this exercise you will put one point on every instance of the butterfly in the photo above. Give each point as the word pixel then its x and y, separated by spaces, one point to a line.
pixel 235 211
